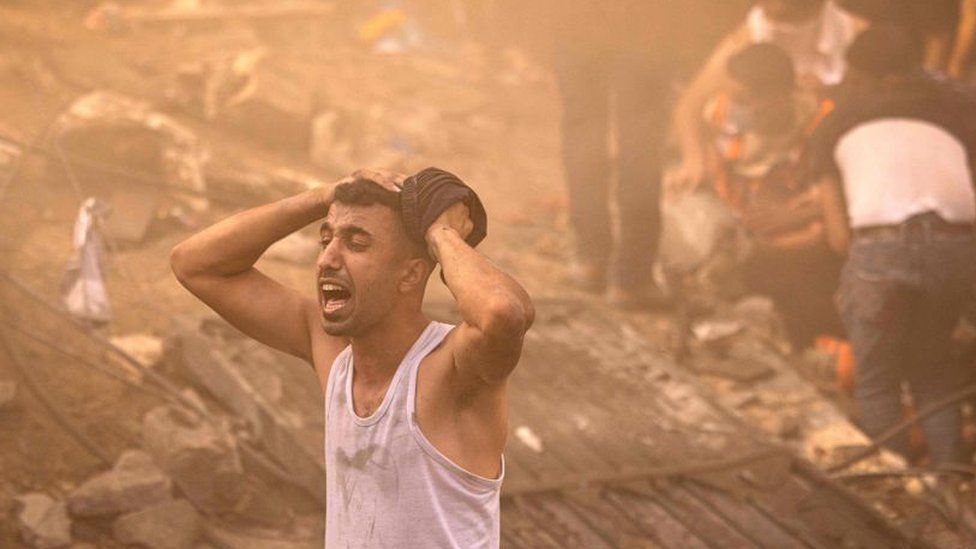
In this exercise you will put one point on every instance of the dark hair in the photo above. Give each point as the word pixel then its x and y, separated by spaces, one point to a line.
pixel 366 192
pixel 886 50
pixel 763 69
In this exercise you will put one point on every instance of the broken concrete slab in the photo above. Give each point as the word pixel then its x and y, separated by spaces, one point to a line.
pixel 134 483
pixel 277 395
pixel 171 525
pixel 201 458
pixel 43 521
pixel 111 139
pixel 8 392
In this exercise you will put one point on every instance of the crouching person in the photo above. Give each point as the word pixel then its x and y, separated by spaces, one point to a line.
pixel 415 409
pixel 896 160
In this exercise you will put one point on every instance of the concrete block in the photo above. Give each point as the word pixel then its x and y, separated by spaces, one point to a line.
pixel 171 525
pixel 135 482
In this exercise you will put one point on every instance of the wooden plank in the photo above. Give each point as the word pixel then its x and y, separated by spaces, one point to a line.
pixel 655 520
pixel 563 524
pixel 518 530
pixel 821 517
pixel 624 414
pixel 543 466
pixel 753 523
pixel 548 416
pixel 693 512
pixel 603 516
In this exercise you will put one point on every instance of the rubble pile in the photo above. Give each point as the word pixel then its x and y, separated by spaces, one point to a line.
pixel 179 114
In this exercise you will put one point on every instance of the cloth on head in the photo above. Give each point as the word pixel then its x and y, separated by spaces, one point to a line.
pixel 429 193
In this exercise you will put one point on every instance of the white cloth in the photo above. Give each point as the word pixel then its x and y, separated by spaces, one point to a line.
pixel 83 288
pixel 387 485
pixel 817 46
pixel 896 168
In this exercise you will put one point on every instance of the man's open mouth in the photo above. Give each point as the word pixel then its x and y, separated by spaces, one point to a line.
pixel 335 296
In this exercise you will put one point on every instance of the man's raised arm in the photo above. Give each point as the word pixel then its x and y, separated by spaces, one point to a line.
pixel 495 309
pixel 217 266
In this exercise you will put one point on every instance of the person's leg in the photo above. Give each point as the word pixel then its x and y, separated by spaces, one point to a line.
pixel 584 89
pixel 949 270
pixel 641 114
pixel 875 306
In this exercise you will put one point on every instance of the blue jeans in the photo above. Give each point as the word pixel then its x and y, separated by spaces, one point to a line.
pixel 901 298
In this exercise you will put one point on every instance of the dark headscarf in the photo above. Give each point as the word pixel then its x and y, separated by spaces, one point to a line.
pixel 429 193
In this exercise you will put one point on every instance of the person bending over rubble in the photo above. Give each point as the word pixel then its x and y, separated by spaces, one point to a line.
pixel 895 160
pixel 814 33
pixel 415 409
pixel 758 125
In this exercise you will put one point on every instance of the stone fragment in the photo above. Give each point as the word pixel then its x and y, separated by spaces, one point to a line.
pixel 201 458
pixel 171 525
pixel 43 521
pixel 135 482
pixel 146 349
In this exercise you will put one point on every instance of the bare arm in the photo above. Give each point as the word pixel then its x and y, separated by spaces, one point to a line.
pixel 495 309
pixel 217 266
pixel 835 214
pixel 688 112
pixel 965 40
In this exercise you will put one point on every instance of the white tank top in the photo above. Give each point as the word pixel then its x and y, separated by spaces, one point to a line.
pixel 386 484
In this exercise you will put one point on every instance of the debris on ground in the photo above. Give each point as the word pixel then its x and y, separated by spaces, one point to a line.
pixel 146 349
pixel 188 135
pixel 43 521
pixel 275 395
pixel 84 294
pixel 170 525
pixel 134 483
pixel 124 150
pixel 202 458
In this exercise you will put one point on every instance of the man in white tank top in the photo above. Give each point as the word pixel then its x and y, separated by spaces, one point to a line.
pixel 415 410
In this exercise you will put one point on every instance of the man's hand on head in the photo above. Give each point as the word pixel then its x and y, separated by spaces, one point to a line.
pixel 456 218
pixel 389 180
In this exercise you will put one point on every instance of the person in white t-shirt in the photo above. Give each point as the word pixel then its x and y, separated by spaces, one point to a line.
pixel 895 160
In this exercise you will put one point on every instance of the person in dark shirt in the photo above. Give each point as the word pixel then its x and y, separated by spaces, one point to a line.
pixel 616 63
pixel 895 161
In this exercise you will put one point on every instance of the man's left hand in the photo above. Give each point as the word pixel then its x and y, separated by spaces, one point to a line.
pixel 456 218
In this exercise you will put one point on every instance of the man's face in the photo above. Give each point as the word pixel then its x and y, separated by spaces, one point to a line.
pixel 363 250
pixel 791 11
